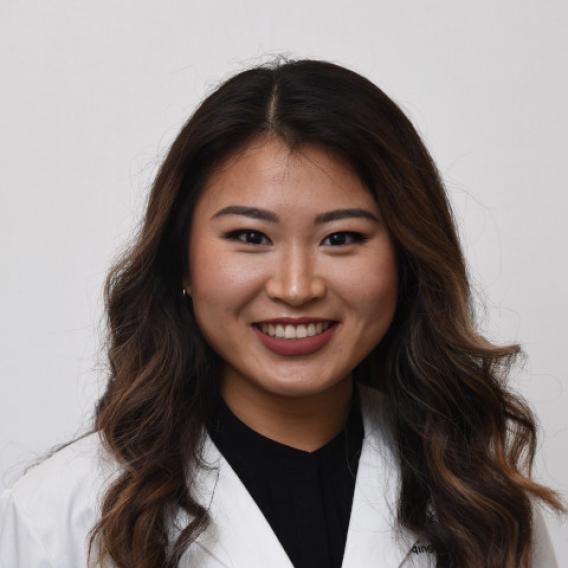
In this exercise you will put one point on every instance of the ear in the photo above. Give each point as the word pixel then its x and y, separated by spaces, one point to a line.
pixel 186 287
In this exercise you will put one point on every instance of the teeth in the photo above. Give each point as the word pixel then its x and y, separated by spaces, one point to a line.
pixel 294 331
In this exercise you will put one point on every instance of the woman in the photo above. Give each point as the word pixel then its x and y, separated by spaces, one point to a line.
pixel 296 378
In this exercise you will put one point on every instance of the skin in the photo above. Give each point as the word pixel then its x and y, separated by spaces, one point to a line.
pixel 290 268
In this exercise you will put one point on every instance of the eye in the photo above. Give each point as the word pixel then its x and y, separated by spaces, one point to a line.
pixel 358 238
pixel 234 236
pixel 253 237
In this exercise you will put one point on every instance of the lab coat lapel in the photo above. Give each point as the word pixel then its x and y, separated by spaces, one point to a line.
pixel 239 535
pixel 373 538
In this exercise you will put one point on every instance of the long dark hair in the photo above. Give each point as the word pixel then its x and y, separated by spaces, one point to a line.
pixel 465 442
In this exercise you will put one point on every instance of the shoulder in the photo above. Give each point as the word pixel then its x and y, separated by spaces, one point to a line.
pixel 378 422
pixel 50 510
pixel 543 551
pixel 70 478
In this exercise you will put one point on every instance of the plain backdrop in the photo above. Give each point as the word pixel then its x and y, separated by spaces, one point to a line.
pixel 93 93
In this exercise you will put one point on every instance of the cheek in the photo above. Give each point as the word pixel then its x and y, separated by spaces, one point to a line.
pixel 212 273
pixel 221 284
pixel 217 293
pixel 374 296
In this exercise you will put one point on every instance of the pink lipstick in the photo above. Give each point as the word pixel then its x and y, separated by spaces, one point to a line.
pixel 301 346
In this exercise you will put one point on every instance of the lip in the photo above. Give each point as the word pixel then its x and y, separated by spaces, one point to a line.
pixel 303 346
pixel 295 321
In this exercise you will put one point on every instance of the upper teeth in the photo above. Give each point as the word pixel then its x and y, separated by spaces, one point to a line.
pixel 294 331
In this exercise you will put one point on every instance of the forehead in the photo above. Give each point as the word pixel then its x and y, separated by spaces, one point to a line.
pixel 267 170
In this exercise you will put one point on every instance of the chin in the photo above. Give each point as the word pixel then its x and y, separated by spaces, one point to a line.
pixel 294 387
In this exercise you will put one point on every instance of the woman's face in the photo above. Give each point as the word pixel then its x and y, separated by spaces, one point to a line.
pixel 245 270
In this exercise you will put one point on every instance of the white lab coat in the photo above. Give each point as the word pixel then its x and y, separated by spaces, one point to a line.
pixel 46 515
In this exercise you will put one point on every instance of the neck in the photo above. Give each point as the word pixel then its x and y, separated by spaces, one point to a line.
pixel 306 422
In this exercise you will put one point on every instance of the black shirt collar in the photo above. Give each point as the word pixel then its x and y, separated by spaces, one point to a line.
pixel 250 450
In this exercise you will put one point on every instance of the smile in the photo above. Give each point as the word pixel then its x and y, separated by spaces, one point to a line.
pixel 290 342
pixel 294 331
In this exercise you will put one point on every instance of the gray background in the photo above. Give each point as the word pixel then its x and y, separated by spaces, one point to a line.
pixel 94 92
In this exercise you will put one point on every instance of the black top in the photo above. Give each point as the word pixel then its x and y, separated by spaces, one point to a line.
pixel 306 497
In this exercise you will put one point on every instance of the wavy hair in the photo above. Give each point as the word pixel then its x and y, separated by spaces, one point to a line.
pixel 465 442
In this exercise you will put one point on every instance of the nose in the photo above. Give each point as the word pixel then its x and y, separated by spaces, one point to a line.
pixel 294 280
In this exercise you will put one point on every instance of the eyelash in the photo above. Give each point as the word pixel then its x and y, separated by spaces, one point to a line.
pixel 360 238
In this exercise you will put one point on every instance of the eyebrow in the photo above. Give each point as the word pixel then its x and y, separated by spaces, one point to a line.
pixel 265 215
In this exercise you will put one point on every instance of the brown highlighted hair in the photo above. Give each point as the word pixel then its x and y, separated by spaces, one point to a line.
pixel 465 442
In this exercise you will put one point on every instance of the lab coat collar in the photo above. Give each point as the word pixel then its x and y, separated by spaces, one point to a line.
pixel 239 534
